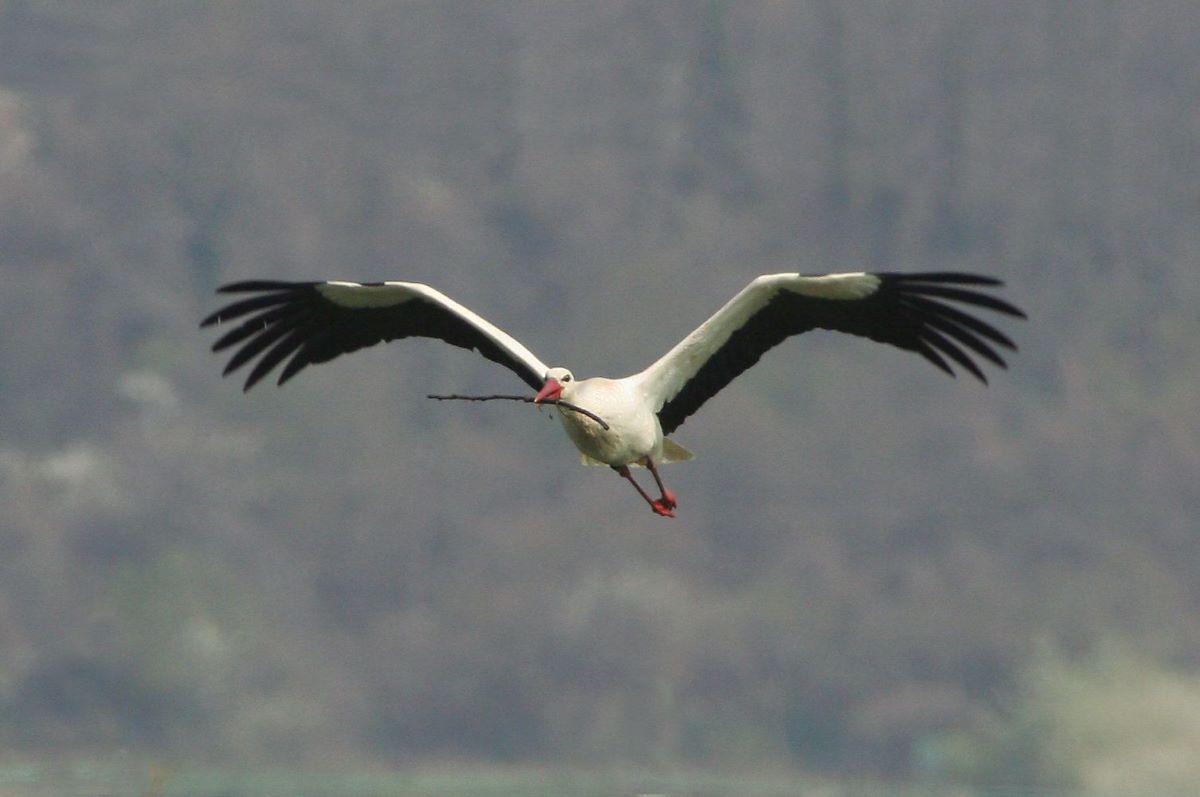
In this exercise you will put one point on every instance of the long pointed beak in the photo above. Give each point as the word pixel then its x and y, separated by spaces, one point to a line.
pixel 551 390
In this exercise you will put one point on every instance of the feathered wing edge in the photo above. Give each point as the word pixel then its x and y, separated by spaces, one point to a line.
pixel 916 312
pixel 927 321
pixel 313 322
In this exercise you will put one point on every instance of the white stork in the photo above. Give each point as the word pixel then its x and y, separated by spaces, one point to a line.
pixel 622 422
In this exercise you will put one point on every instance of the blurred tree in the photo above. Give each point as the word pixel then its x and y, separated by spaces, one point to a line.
pixel 867 550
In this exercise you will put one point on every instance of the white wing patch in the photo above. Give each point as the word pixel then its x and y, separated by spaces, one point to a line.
pixel 358 296
pixel 857 285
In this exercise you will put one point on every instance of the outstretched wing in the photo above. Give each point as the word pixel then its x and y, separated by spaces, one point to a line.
pixel 313 322
pixel 919 312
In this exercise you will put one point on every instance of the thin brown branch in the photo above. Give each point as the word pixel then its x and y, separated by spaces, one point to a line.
pixel 528 400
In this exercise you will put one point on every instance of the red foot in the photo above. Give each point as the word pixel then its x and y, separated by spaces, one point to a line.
pixel 668 498
pixel 661 507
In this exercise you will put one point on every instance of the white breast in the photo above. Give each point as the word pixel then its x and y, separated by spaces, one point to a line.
pixel 633 429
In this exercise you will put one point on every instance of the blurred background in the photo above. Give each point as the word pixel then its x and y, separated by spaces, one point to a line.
pixel 876 572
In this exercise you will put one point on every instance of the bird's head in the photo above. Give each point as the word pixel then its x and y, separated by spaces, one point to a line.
pixel 557 380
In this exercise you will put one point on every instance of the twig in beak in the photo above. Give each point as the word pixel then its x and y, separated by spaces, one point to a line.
pixel 565 404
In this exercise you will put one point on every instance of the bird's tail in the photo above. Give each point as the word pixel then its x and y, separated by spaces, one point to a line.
pixel 673 452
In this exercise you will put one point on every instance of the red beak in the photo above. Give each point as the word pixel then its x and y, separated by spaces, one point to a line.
pixel 551 390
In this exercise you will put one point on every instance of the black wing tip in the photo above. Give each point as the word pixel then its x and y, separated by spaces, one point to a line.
pixel 231 366
pixel 961 278
pixel 978 373
pixel 272 327
pixel 263 286
pixel 945 285
pixel 271 292
pixel 255 377
pixel 949 332
pixel 945 277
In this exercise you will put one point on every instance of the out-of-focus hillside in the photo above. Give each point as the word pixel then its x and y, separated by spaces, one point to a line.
pixel 867 554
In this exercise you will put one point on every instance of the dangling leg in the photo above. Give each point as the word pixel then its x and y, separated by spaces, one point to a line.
pixel 659 506
pixel 668 497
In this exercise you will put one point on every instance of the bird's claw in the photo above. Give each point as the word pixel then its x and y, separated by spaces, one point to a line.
pixel 661 507
pixel 668 499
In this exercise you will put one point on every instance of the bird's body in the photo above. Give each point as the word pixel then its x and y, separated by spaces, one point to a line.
pixel 633 430
pixel 626 420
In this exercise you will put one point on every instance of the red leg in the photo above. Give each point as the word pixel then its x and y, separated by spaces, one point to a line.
pixel 668 497
pixel 659 506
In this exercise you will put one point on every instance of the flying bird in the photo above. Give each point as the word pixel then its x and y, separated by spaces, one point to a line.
pixel 623 422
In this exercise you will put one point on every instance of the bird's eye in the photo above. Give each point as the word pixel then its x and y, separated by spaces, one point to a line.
pixel 566 378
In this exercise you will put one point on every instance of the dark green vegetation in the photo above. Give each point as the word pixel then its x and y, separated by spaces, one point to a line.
pixel 869 556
